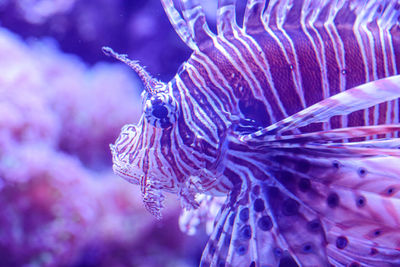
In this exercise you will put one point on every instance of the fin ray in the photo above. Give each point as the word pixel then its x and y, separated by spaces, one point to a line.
pixel 357 98
pixel 180 25
pixel 338 12
pixel 226 18
pixel 196 20
pixel 252 17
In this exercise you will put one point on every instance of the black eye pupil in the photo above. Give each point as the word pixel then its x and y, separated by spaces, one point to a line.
pixel 160 111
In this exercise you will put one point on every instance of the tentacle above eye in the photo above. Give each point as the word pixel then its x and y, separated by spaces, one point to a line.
pixel 151 85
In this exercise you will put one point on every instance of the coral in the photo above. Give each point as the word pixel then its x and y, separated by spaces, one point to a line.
pixel 61 205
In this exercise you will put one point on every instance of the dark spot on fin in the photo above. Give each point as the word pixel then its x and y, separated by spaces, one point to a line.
pixel 373 251
pixel 265 223
pixel 390 191
pixel 362 172
pixel 290 207
pixel 278 252
pixel 377 232
pixel 336 164
pixel 241 250
pixel 333 200
pixel 244 215
pixel 259 205
pixel 307 248
pixel 245 232
pixel 314 226
pixel 361 201
pixel 287 261
pixel 341 242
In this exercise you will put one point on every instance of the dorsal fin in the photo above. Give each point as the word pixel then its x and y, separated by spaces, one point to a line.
pixel 192 27
pixel 290 13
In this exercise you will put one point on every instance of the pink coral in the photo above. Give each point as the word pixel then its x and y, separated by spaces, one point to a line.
pixel 61 205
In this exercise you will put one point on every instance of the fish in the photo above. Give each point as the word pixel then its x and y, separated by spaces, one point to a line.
pixel 292 116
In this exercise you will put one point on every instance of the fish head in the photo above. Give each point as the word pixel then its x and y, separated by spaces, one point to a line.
pixel 142 153
pixel 139 149
pixel 166 150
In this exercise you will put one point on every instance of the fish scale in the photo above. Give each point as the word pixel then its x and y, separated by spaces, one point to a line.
pixel 293 117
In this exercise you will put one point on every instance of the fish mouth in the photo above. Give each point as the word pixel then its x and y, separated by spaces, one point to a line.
pixel 126 173
pixel 130 161
pixel 153 198
pixel 123 168
pixel 122 151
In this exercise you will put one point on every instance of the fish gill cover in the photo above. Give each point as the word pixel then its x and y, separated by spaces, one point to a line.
pixel 293 116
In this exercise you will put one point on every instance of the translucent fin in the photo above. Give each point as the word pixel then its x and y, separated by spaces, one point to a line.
pixel 384 143
pixel 197 24
pixel 355 197
pixel 264 229
pixel 389 15
pixel 238 241
pixel 178 23
pixel 323 207
pixel 296 225
pixel 300 13
pixel 360 97
pixel 252 22
pixel 335 134
pixel 356 251
pixel 226 17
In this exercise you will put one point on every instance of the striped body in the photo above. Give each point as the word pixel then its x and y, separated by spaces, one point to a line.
pixel 294 117
pixel 268 74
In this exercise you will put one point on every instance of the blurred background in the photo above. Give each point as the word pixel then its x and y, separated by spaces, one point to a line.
pixel 62 102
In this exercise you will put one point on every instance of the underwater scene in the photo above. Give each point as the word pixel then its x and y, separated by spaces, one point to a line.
pixel 179 133
pixel 62 102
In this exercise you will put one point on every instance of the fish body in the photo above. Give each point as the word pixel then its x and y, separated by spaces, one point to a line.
pixel 293 116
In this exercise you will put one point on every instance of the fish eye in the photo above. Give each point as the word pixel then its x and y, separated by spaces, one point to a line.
pixel 160 110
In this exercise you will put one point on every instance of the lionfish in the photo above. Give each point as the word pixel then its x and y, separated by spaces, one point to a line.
pixel 293 116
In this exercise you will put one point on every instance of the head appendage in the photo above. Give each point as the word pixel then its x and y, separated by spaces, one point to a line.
pixel 150 84
pixel 153 199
